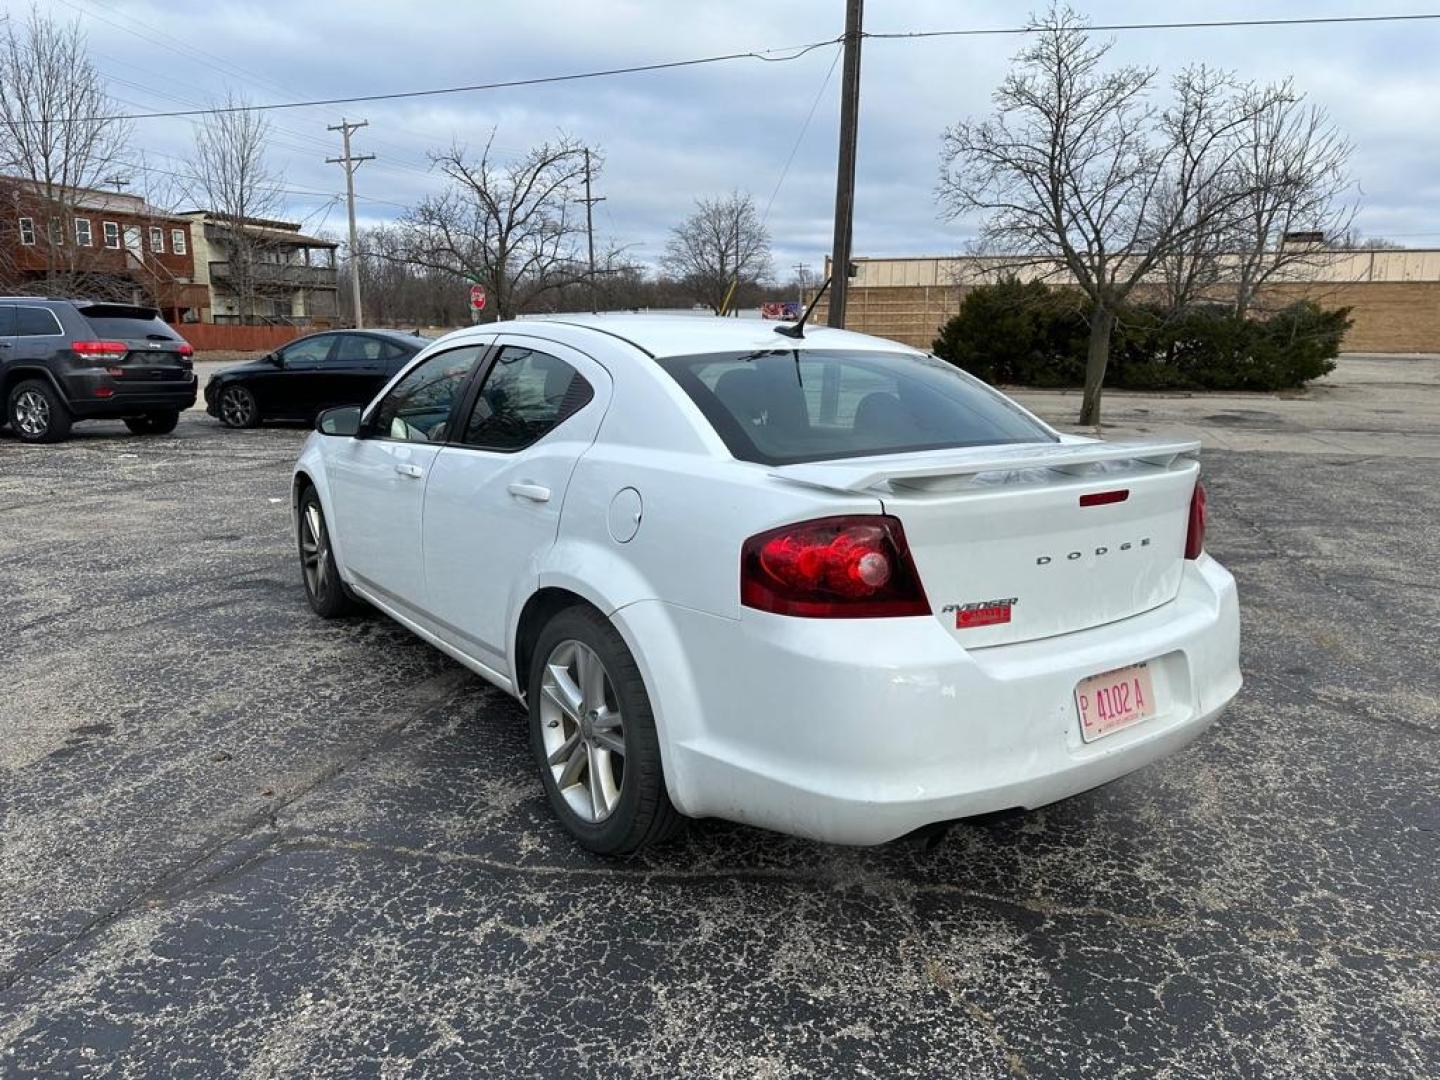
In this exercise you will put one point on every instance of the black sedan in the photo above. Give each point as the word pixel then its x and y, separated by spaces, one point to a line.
pixel 309 375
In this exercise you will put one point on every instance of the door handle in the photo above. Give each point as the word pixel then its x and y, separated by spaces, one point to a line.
pixel 412 471
pixel 533 492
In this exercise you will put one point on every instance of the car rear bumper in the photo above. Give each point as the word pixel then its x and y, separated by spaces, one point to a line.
pixel 859 731
pixel 100 396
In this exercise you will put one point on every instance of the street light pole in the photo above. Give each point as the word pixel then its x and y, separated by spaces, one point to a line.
pixel 845 174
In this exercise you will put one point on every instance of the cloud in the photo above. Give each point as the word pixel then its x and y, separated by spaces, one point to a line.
pixel 669 137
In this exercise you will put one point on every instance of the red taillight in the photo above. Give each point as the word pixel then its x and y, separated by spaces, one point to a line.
pixel 186 349
pixel 832 568
pixel 100 350
pixel 1195 534
pixel 104 391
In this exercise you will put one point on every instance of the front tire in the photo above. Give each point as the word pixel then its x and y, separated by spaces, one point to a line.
pixel 592 731
pixel 155 423
pixel 323 587
pixel 237 407
pixel 37 414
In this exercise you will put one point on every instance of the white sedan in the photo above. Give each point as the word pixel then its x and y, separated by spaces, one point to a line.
pixel 830 585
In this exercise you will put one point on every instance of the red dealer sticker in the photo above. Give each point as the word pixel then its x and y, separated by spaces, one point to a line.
pixel 991 615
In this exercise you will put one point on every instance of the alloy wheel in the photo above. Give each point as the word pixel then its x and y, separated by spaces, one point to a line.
pixel 583 730
pixel 236 407
pixel 314 549
pixel 31 413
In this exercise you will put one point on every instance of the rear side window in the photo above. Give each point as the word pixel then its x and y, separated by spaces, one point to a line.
pixel 356 349
pixel 36 322
pixel 127 323
pixel 785 406
pixel 526 395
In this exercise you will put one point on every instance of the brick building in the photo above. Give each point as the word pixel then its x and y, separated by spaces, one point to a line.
pixel 108 245
pixel 1394 294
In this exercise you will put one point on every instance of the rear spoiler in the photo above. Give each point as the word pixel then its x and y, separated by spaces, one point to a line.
pixel 947 468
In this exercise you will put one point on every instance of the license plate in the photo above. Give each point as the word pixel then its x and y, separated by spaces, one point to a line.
pixel 1114 700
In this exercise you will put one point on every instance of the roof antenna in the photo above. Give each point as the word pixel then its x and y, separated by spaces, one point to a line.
pixel 798 330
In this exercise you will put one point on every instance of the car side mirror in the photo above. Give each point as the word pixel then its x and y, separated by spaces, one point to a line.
pixel 276 359
pixel 342 420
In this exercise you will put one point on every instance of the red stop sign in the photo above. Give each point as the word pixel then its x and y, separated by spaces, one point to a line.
pixel 477 297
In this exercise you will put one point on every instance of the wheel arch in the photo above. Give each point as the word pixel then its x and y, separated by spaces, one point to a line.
pixel 19 373
pixel 542 606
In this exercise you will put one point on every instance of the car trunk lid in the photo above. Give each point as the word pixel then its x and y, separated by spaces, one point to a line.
pixel 153 351
pixel 1019 542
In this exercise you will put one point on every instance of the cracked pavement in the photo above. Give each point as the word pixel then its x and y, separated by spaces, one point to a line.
pixel 237 840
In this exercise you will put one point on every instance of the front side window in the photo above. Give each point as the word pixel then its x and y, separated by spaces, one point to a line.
pixel 27 231
pixel 177 241
pixel 36 322
pixel 785 406
pixel 526 395
pixel 418 408
pixel 307 352
pixel 157 239
pixel 112 233
pixel 82 232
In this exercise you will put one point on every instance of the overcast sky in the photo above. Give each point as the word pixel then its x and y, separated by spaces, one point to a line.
pixel 670 136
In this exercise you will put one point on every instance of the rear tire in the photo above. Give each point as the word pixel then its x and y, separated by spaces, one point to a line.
pixel 37 414
pixel 324 590
pixel 155 423
pixel 586 726
pixel 237 407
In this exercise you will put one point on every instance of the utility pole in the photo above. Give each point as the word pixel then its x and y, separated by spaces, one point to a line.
pixel 590 201
pixel 845 175
pixel 351 163
pixel 800 270
pixel 118 182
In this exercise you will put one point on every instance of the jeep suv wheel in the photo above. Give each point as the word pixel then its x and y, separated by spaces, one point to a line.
pixel 36 413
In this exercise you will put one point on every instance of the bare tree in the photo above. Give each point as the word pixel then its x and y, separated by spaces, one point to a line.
pixel 235 182
pixel 719 250
pixel 55 135
pixel 1295 177
pixel 510 226
pixel 1080 174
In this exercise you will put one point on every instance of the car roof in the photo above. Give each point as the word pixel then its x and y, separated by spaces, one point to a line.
pixel 688 335
pixel 405 337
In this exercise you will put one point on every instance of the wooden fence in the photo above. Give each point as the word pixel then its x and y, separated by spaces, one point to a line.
pixel 206 336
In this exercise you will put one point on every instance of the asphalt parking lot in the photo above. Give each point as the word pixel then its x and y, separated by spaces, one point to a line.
pixel 236 839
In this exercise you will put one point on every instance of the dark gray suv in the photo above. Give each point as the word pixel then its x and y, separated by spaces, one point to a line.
pixel 68 360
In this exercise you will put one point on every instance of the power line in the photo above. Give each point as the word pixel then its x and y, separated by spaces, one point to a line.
pixel 801 137
pixel 797 53
pixel 1314 20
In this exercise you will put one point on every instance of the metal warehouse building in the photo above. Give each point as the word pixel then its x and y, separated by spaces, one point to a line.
pixel 1394 295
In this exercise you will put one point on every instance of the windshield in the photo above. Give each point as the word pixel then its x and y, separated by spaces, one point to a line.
pixel 785 406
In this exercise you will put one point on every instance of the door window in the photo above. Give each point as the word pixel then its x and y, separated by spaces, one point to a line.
pixel 418 408
pixel 7 320
pixel 526 395
pixel 357 349
pixel 307 352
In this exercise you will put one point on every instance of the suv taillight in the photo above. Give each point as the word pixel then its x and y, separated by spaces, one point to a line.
pixel 101 350
pixel 1195 534
pixel 185 349
pixel 854 567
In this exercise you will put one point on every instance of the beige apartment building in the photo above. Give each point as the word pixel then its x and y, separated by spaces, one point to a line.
pixel 292 275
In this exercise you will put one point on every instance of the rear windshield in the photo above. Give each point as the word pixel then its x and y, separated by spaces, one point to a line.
pixel 121 321
pixel 784 406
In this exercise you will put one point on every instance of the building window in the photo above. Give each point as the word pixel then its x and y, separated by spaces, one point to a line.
pixel 112 234
pixel 82 232
pixel 157 239
pixel 27 230
pixel 177 241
